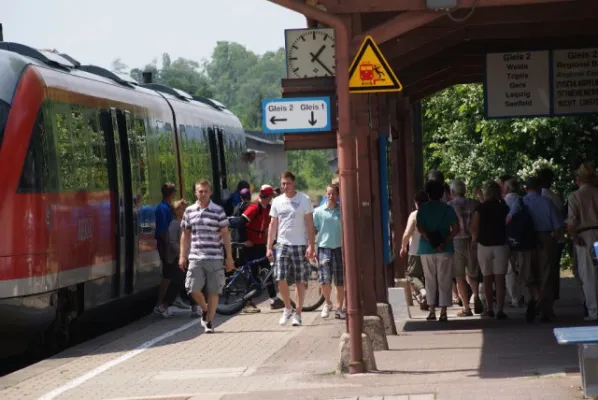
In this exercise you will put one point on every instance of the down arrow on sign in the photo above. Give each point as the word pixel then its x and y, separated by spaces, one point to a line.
pixel 312 121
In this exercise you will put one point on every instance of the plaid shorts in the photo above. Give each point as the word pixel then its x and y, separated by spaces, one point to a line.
pixel 331 266
pixel 291 265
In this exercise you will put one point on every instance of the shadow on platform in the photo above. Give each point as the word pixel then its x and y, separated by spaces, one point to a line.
pixel 486 348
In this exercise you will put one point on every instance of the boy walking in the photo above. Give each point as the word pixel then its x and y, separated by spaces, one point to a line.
pixel 327 222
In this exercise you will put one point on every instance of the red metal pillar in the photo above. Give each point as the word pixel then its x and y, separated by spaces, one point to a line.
pixel 347 173
pixel 361 112
pixel 362 116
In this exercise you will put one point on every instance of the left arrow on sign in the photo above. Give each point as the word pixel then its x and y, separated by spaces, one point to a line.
pixel 274 120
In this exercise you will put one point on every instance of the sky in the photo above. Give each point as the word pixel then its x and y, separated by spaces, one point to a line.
pixel 137 31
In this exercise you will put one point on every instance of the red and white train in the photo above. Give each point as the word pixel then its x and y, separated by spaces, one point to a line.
pixel 83 155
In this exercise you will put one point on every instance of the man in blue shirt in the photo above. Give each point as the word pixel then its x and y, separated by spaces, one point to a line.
pixel 327 222
pixel 163 217
pixel 548 223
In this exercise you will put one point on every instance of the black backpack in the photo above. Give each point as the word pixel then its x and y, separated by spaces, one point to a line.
pixel 521 232
pixel 238 233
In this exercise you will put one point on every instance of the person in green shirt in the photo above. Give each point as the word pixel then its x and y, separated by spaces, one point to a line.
pixel 327 222
pixel 437 224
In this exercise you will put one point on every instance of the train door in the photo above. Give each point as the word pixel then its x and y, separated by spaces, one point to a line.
pixel 222 157
pixel 130 230
pixel 114 125
pixel 216 174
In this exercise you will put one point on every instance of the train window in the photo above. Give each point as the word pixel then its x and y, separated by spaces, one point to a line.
pixel 186 161
pixel 67 151
pixel 98 159
pixel 195 157
pixel 166 154
pixel 65 154
pixel 222 158
pixel 34 175
pixel 138 154
pixel 82 173
pixel 237 169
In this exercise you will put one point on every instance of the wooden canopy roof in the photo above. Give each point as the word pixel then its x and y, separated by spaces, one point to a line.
pixel 430 51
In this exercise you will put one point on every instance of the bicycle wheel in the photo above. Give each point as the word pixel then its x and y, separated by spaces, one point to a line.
pixel 313 291
pixel 231 301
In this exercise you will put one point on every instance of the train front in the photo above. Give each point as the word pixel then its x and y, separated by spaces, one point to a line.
pixel 27 280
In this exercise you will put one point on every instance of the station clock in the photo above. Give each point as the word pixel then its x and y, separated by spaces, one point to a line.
pixel 310 52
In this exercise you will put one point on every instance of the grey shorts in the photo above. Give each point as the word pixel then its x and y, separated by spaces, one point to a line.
pixel 205 272
pixel 465 258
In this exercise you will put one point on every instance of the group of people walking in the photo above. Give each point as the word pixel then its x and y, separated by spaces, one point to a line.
pixel 195 247
pixel 510 241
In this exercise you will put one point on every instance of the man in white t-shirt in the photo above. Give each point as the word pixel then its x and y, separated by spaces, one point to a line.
pixel 292 226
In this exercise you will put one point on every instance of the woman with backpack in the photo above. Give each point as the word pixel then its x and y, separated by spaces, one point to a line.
pixel 437 224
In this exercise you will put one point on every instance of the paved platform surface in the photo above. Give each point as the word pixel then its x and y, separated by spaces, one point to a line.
pixel 252 357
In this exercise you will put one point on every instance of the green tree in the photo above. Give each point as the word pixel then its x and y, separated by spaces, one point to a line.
pixel 460 142
pixel 226 70
pixel 185 75
pixel 311 168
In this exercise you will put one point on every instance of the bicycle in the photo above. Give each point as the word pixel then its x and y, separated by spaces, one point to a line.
pixel 241 286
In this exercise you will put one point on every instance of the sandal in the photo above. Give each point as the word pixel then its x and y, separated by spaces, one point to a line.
pixel 443 318
pixel 431 316
pixel 465 313
pixel 424 305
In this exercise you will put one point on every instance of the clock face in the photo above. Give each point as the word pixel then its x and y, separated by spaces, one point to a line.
pixel 310 53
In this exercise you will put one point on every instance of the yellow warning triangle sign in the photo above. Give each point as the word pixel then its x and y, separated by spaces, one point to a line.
pixel 370 72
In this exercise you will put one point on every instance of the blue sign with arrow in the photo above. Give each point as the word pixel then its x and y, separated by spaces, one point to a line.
pixel 296 115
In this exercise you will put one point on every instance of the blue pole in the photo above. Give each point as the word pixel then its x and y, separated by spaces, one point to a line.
pixel 384 199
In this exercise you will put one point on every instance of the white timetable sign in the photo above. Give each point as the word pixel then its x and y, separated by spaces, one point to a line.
pixel 575 81
pixel 517 84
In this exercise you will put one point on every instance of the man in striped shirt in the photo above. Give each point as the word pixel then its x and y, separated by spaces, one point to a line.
pixel 205 228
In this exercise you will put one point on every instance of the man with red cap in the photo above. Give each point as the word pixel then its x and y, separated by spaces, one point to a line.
pixel 257 219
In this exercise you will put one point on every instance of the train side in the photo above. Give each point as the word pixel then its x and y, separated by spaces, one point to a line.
pixel 83 159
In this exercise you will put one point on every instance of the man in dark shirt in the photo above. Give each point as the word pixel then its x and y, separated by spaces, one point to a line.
pixel 256 218
pixel 488 230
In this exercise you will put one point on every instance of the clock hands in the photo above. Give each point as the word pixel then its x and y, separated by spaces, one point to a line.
pixel 315 57
pixel 324 66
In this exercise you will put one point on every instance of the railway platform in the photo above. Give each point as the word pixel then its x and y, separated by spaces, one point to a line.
pixel 252 357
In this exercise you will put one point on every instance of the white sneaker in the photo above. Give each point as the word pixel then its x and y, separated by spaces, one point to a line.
pixel 195 312
pixel 340 314
pixel 296 320
pixel 180 304
pixel 286 315
pixel 325 311
pixel 158 310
